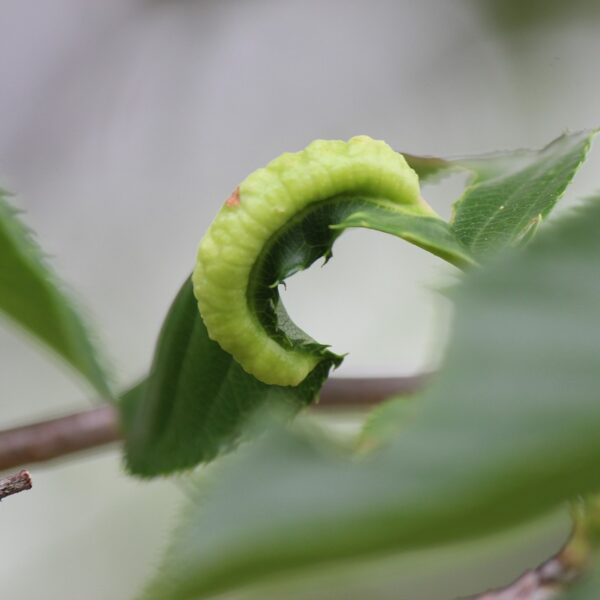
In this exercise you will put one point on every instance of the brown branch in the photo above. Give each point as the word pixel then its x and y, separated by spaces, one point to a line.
pixel 357 392
pixel 13 484
pixel 40 442
pixel 54 438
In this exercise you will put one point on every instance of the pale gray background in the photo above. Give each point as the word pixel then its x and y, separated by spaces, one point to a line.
pixel 123 127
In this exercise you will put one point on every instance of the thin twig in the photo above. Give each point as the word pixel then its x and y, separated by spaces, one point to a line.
pixel 361 392
pixel 54 438
pixel 41 442
pixel 13 484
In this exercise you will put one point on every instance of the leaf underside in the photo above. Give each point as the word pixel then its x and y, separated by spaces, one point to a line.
pixel 511 193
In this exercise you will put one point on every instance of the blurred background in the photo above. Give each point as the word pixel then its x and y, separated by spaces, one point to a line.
pixel 125 124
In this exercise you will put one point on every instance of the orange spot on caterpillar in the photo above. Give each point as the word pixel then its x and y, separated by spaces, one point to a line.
pixel 234 199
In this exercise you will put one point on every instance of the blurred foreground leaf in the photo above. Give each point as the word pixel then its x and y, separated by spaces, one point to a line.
pixel 588 588
pixel 32 296
pixel 449 571
pixel 506 432
pixel 507 197
pixel 387 420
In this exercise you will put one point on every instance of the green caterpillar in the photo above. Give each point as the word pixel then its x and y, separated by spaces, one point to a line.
pixel 254 217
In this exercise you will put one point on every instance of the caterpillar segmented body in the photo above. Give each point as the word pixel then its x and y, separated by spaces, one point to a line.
pixel 253 216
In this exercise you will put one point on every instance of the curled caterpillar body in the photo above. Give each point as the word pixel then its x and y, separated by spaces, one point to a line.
pixel 257 212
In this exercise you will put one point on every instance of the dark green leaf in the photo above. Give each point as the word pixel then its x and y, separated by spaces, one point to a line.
pixel 32 296
pixel 507 431
pixel 197 397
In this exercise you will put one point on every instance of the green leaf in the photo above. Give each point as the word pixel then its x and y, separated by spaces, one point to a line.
pixel 429 233
pixel 509 192
pixel 32 296
pixel 512 192
pixel 197 397
pixel 506 432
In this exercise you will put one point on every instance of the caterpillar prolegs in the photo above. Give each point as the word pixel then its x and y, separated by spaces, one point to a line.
pixel 276 222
